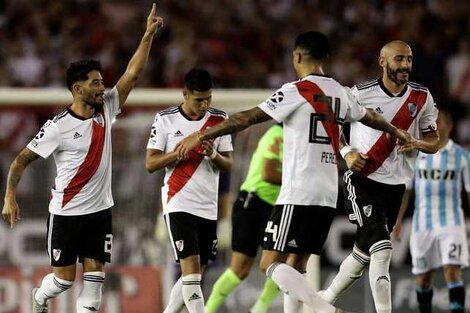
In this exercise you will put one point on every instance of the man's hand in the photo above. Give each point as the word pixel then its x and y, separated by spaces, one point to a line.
pixel 355 160
pixel 187 144
pixel 396 232
pixel 154 22
pixel 207 147
pixel 11 211
pixel 402 136
pixel 410 145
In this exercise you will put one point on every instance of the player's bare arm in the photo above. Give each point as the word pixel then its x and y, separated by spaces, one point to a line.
pixel 376 121
pixel 429 143
pixel 223 160
pixel 140 57
pixel 235 123
pixel 396 232
pixel 270 171
pixel 11 210
pixel 156 159
pixel 355 160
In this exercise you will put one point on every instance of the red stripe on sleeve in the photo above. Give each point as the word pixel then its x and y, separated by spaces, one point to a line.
pixel 382 148
pixel 308 90
pixel 185 169
pixel 89 166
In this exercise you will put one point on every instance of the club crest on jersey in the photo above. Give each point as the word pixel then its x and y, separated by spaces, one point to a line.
pixel 179 245
pixel 277 97
pixel 413 108
pixel 98 118
pixel 367 210
pixel 56 254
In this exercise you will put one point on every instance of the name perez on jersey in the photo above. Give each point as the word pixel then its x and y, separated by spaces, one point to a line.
pixel 328 157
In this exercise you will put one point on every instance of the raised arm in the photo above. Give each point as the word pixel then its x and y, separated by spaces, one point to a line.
pixel 235 123
pixel 429 143
pixel 11 211
pixel 140 57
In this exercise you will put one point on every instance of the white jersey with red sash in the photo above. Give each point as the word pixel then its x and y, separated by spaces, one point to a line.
pixel 413 110
pixel 190 185
pixel 82 153
pixel 312 110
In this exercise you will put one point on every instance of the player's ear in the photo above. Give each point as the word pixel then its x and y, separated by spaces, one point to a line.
pixel 76 88
pixel 185 93
pixel 382 61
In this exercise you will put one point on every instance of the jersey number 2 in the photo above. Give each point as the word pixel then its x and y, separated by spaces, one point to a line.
pixel 314 137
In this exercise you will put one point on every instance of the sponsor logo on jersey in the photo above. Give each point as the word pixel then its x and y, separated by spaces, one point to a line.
pixel 178 133
pixel 153 132
pixel 40 134
pixel 91 308
pixel 379 110
pixel 179 245
pixel 292 244
pixel 47 124
pixel 34 143
pixel 367 210
pixel 56 254
pixel 76 135
pixel 277 97
pixel 413 108
pixel 194 296
pixel 99 119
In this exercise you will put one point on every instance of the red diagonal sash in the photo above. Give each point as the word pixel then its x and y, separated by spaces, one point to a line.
pixel 382 148
pixel 308 90
pixel 90 165
pixel 185 169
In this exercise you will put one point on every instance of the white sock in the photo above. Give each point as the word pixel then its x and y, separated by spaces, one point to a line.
pixel 51 287
pixel 176 302
pixel 89 299
pixel 192 293
pixel 292 305
pixel 379 277
pixel 350 271
pixel 295 285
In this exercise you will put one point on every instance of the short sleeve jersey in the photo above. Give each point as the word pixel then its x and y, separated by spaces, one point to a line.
pixel 82 154
pixel 312 110
pixel 439 181
pixel 191 185
pixel 413 110
pixel 270 146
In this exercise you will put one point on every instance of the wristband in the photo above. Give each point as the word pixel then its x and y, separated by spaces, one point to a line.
pixel 213 154
pixel 345 150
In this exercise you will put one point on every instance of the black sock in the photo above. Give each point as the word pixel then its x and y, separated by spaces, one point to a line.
pixel 456 297
pixel 424 299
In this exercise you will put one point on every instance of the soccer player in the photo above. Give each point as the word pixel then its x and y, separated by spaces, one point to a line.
pixel 374 185
pixel 438 235
pixel 312 110
pixel 79 223
pixel 190 189
pixel 250 213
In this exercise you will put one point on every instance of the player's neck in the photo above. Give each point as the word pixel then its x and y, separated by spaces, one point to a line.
pixel 391 86
pixel 443 141
pixel 82 109
pixel 307 70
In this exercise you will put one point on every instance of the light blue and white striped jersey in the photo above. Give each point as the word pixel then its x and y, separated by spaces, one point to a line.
pixel 438 183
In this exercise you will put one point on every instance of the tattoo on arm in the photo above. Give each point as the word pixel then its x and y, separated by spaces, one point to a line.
pixel 22 160
pixel 237 122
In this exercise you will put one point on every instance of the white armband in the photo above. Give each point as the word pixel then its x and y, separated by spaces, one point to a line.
pixel 345 150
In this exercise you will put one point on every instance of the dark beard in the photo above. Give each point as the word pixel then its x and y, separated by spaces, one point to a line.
pixel 392 75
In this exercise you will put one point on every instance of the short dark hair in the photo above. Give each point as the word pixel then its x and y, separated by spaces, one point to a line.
pixel 78 71
pixel 313 43
pixel 198 79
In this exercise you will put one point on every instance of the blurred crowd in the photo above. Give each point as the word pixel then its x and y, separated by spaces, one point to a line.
pixel 244 43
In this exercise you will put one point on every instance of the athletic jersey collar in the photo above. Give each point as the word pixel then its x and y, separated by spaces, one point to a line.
pixel 187 117
pixel 315 74
pixel 448 145
pixel 388 93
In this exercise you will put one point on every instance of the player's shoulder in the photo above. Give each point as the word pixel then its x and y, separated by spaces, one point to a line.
pixel 367 85
pixel 217 112
pixel 418 87
pixel 61 117
pixel 167 114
